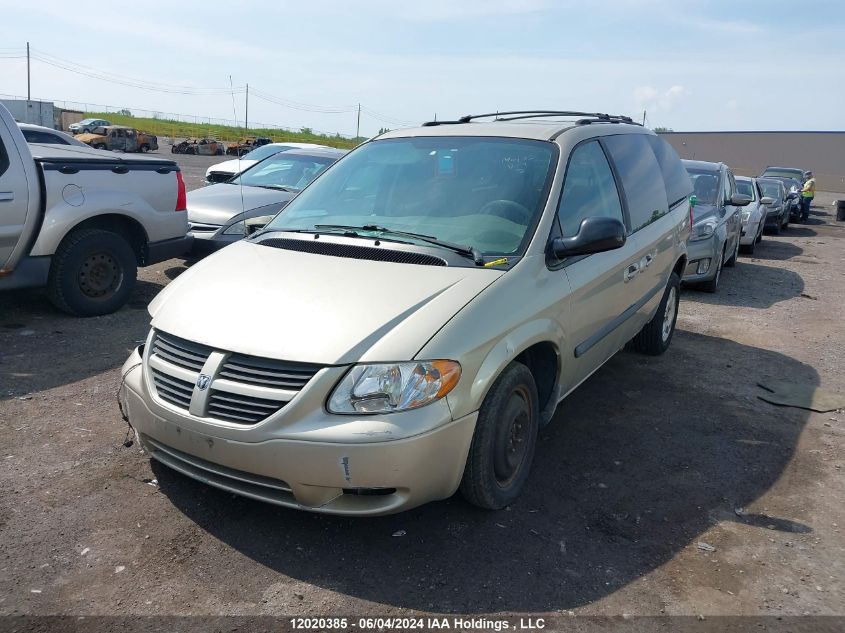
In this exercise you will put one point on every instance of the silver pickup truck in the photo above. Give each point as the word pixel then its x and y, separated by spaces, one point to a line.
pixel 80 221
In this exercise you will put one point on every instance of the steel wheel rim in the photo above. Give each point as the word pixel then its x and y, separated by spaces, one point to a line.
pixel 512 441
pixel 669 313
pixel 99 275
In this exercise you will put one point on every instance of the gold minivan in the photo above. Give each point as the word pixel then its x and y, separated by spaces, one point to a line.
pixel 408 322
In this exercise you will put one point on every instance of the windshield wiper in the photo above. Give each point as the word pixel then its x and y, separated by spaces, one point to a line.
pixel 469 252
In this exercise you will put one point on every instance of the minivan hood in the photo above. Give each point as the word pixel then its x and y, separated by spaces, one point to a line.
pixel 217 204
pixel 305 307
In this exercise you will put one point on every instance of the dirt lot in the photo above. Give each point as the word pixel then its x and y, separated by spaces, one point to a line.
pixel 645 461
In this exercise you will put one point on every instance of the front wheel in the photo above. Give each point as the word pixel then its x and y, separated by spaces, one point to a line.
pixel 93 273
pixel 713 284
pixel 503 444
pixel 734 256
pixel 656 335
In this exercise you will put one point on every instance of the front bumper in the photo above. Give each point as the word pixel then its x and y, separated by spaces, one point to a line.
pixel 701 262
pixel 208 241
pixel 346 478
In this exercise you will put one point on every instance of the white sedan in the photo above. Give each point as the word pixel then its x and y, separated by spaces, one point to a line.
pixel 40 134
pixel 224 171
pixel 754 214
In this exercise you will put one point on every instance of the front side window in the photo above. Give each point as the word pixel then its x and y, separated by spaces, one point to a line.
pixel 483 192
pixel 589 189
pixel 642 179
pixel 727 189
pixel 285 172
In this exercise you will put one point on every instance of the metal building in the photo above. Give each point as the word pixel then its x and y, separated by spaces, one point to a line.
pixel 748 153
pixel 36 112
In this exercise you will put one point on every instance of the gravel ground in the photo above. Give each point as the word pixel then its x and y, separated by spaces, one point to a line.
pixel 644 462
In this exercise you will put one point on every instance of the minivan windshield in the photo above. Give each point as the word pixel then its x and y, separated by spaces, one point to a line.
pixel 288 172
pixel 486 193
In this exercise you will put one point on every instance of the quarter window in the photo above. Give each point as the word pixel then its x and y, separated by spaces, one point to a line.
pixel 678 185
pixel 589 189
pixel 642 179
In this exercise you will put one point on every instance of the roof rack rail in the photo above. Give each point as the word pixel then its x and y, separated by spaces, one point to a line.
pixel 589 117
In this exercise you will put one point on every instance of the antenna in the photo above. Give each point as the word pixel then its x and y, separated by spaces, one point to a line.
pixel 240 180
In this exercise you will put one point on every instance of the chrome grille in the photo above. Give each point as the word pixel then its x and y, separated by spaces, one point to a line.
pixel 172 389
pixel 233 407
pixel 180 352
pixel 267 372
pixel 241 389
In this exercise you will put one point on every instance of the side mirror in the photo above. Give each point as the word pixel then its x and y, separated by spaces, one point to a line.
pixel 595 235
pixel 738 200
pixel 767 201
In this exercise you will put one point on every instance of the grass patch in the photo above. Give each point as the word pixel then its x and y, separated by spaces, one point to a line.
pixel 183 129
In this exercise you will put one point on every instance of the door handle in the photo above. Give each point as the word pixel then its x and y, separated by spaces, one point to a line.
pixel 7 196
pixel 631 272
pixel 648 259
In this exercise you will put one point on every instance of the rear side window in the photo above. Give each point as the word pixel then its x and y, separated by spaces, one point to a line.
pixel 641 177
pixel 675 177
pixel 589 189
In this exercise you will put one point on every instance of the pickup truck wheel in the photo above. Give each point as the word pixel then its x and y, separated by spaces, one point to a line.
pixel 503 444
pixel 656 335
pixel 93 273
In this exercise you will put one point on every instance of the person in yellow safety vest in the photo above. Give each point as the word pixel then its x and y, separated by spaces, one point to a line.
pixel 808 192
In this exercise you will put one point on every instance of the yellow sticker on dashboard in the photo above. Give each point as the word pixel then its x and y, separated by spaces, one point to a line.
pixel 497 262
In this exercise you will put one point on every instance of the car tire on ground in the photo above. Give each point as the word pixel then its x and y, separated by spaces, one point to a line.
pixel 93 272
pixel 503 444
pixel 656 335
pixel 713 284
pixel 99 146
pixel 732 261
pixel 749 249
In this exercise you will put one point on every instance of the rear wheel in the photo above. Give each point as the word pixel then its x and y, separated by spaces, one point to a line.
pixel 93 273
pixel 655 337
pixel 503 444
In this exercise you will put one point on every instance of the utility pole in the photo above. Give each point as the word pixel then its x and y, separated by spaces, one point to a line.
pixel 358 126
pixel 28 84
pixel 246 113
pixel 643 117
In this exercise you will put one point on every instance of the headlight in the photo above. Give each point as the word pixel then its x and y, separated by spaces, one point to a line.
pixel 702 230
pixel 394 387
pixel 238 228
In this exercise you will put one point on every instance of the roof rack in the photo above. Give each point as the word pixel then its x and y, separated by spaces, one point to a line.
pixel 589 117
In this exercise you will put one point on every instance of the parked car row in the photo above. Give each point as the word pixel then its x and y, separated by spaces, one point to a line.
pixel 730 214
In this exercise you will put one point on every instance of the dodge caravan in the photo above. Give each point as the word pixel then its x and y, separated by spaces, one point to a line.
pixel 407 324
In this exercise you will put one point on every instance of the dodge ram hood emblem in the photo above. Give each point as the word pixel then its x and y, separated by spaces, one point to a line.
pixel 203 381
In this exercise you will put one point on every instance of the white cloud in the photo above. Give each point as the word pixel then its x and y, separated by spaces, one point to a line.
pixel 650 98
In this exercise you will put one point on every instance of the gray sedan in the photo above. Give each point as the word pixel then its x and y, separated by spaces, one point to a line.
pixel 223 213
pixel 717 225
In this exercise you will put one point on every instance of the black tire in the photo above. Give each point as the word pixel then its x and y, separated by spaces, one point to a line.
pixel 732 261
pixel 656 335
pixel 749 249
pixel 99 146
pixel 93 273
pixel 713 284
pixel 785 221
pixel 144 149
pixel 502 448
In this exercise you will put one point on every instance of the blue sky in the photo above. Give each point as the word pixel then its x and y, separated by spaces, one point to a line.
pixel 693 65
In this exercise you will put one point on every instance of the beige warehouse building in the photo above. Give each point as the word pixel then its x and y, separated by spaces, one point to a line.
pixel 748 153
